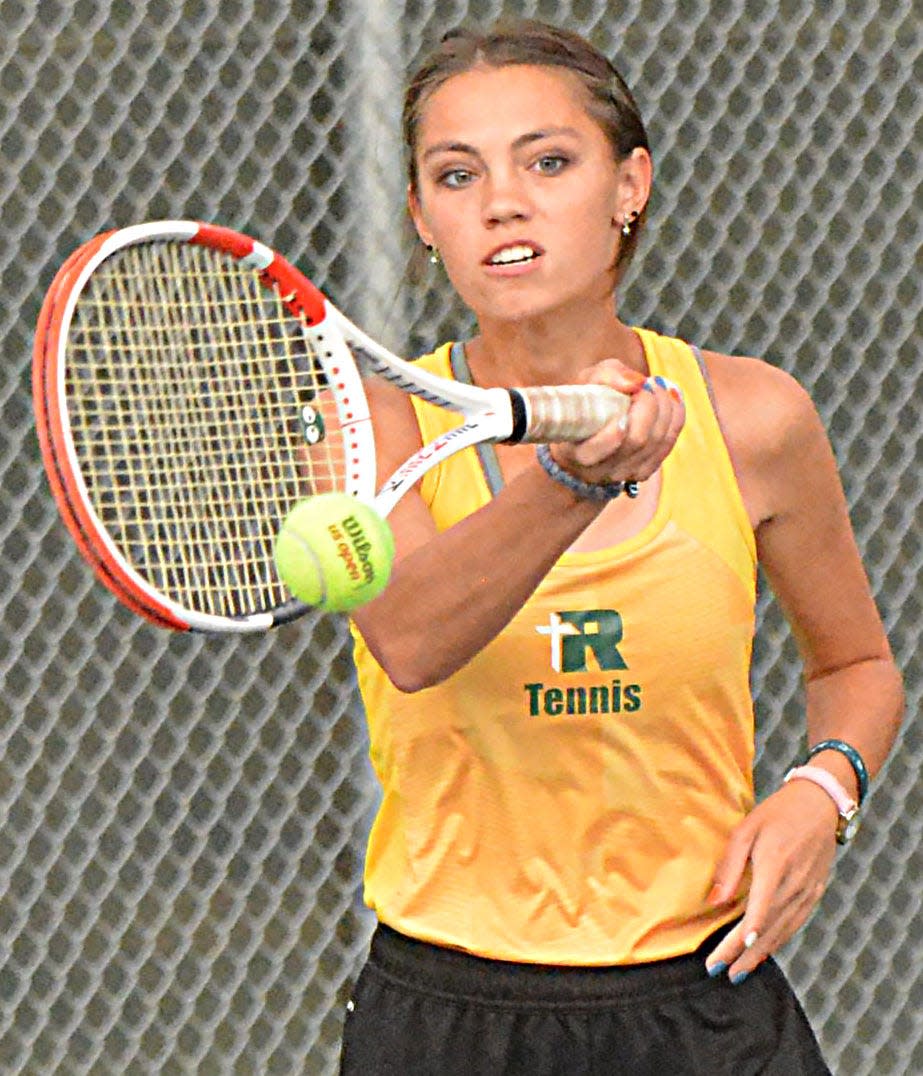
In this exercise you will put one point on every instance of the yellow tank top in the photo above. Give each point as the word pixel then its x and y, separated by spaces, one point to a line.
pixel 565 797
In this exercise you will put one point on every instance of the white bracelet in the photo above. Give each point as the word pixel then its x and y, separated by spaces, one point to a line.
pixel 825 780
pixel 846 807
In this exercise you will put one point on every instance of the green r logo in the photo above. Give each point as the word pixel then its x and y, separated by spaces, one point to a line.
pixel 574 634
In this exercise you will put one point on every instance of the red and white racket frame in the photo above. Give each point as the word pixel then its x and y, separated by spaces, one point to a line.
pixel 304 300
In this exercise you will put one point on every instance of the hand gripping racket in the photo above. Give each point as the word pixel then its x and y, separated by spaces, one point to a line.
pixel 190 385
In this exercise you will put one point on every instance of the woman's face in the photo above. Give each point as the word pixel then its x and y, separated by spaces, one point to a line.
pixel 520 191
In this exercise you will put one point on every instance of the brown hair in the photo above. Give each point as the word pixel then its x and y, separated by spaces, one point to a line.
pixel 527 41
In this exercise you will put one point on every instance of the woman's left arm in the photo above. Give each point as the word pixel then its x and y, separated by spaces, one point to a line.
pixel 853 690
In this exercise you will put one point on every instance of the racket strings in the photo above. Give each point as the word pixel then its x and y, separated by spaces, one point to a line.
pixel 186 380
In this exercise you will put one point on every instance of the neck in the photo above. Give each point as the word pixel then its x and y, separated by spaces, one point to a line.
pixel 551 350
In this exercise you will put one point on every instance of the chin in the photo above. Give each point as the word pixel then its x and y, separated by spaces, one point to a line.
pixel 508 303
pixel 516 309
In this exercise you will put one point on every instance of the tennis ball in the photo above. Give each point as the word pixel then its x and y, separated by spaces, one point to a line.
pixel 334 551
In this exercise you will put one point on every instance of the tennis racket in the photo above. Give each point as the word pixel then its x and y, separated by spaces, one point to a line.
pixel 190 386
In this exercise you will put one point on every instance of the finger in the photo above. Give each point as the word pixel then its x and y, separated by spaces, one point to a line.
pixel 786 920
pixel 677 416
pixel 728 877
pixel 615 374
pixel 634 448
pixel 599 448
pixel 656 381
pixel 777 906
pixel 655 420
pixel 764 885
pixel 649 420
pixel 794 898
pixel 725 957
pixel 656 446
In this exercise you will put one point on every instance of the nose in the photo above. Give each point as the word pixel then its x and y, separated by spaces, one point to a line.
pixel 505 198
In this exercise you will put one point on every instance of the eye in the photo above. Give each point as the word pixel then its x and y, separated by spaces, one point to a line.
pixel 551 164
pixel 454 178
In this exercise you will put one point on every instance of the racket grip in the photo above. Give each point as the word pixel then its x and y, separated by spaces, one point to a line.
pixel 569 412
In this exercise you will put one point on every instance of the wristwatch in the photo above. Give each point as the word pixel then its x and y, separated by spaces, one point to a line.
pixel 847 809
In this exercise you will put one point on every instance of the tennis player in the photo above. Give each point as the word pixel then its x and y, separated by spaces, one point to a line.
pixel 569 870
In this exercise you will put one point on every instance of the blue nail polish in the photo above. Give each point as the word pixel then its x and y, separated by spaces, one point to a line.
pixel 739 977
pixel 717 969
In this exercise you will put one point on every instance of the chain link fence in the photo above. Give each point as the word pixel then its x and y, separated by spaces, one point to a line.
pixel 182 819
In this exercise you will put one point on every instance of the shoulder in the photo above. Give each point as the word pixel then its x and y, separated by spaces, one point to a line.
pixel 759 404
pixel 770 424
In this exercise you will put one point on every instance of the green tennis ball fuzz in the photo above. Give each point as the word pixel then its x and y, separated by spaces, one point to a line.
pixel 335 552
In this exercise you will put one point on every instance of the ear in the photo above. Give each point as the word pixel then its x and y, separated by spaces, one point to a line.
pixel 634 184
pixel 416 215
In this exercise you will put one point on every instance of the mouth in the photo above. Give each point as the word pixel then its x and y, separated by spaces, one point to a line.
pixel 514 254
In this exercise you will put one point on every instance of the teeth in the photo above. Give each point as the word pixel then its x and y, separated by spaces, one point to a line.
pixel 519 253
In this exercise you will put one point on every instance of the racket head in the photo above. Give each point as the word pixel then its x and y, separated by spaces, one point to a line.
pixel 189 387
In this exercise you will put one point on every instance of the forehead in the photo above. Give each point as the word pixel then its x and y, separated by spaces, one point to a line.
pixel 489 104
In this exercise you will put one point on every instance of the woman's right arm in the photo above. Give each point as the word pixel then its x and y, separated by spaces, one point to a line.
pixel 463 585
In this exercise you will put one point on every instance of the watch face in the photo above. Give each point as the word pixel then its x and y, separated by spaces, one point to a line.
pixel 848 827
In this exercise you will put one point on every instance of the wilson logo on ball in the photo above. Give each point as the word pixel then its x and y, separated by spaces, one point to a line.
pixel 354 549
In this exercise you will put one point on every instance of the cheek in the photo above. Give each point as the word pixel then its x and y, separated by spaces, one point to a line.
pixel 453 221
pixel 591 234
pixel 457 239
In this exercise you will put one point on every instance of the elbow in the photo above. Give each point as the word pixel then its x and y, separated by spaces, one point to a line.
pixel 418 669
pixel 900 693
pixel 410 677
pixel 410 665
pixel 409 681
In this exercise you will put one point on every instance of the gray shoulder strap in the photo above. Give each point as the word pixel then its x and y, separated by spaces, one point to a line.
pixel 700 359
pixel 487 454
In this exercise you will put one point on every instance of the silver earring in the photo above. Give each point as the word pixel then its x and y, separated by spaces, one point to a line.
pixel 433 254
pixel 629 222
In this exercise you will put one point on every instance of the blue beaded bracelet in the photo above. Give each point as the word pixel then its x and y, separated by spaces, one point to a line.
pixel 588 491
pixel 855 760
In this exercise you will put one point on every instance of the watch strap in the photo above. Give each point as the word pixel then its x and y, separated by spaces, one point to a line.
pixel 853 757
pixel 846 806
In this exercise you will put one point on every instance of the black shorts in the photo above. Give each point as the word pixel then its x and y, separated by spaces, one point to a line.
pixel 422 1010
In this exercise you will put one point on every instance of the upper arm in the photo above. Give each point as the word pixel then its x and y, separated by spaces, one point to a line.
pixel 790 482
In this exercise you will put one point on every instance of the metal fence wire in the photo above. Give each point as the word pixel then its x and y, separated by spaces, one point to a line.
pixel 182 819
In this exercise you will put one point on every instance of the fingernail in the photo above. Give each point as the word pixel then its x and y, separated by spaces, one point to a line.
pixel 677 395
pixel 715 896
pixel 623 422
pixel 737 979
pixel 716 969
pixel 751 939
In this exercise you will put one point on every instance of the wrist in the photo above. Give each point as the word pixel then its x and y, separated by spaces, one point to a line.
pixel 846 807
pixel 840 750
pixel 589 491
pixel 835 764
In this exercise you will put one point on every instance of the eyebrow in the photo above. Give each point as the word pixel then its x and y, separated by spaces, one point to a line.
pixel 519 143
